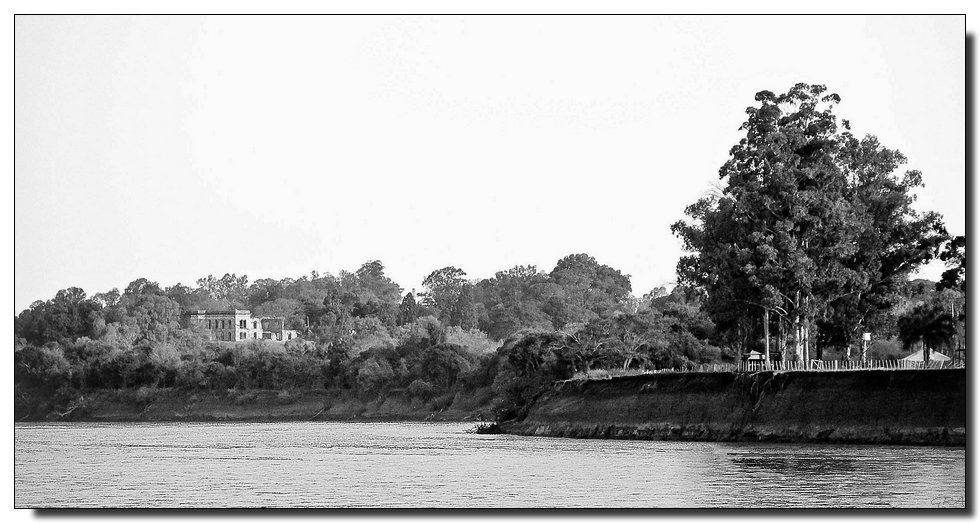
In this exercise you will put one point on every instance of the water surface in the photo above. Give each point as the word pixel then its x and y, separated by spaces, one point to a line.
pixel 321 464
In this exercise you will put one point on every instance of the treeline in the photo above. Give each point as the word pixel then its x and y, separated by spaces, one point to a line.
pixel 137 341
pixel 350 306
pixel 495 337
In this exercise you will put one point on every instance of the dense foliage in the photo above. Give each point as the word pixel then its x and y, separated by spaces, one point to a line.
pixel 360 333
pixel 812 237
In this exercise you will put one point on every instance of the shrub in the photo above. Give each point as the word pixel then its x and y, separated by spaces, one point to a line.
pixel 473 341
pixel 883 350
pixel 421 389
pixel 374 375
pixel 146 395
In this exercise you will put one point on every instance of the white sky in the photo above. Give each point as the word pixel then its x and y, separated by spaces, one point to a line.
pixel 176 147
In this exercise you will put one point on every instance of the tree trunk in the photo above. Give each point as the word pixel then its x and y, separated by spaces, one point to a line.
pixel 817 348
pixel 795 340
pixel 797 328
pixel 805 341
pixel 782 336
pixel 765 330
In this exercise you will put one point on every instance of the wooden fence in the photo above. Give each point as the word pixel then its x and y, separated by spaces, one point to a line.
pixel 819 365
pixel 784 366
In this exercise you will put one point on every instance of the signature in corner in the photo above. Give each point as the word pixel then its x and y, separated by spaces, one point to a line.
pixel 949 502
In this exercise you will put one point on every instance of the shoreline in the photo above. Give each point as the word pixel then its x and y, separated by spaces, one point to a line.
pixel 879 407
pixel 884 407
pixel 171 405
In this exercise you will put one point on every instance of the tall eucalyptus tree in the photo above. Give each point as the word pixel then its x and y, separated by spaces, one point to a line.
pixel 812 226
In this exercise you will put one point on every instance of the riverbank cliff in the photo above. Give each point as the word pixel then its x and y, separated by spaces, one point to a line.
pixel 909 407
pixel 151 404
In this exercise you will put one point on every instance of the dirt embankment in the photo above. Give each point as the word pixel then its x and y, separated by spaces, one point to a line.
pixel 913 407
pixel 262 405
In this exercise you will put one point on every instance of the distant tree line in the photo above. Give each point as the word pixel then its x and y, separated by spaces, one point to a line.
pixel 360 332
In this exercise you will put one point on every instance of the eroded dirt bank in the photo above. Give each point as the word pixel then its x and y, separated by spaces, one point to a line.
pixel 910 407
pixel 260 405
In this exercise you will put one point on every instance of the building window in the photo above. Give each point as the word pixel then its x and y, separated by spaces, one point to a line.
pixel 209 324
pixel 289 336
pixel 242 336
pixel 255 335
pixel 255 325
pixel 243 324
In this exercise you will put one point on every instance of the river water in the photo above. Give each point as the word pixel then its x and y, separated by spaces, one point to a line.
pixel 321 464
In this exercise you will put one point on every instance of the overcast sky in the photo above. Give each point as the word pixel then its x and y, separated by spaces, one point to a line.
pixel 171 148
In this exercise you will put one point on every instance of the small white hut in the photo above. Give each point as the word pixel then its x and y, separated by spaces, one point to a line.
pixel 933 356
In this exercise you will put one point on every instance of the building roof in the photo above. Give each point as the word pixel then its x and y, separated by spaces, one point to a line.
pixel 933 356
pixel 236 312
pixel 225 313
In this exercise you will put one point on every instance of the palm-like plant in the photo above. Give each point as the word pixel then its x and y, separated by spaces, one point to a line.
pixel 928 324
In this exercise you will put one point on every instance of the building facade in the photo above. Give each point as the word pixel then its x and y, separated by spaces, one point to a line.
pixel 240 325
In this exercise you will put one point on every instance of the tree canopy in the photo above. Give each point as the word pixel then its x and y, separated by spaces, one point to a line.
pixel 813 225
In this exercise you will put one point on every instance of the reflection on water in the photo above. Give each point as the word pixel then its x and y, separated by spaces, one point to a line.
pixel 441 465
pixel 795 464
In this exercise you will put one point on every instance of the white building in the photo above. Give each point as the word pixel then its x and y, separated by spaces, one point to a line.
pixel 240 325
